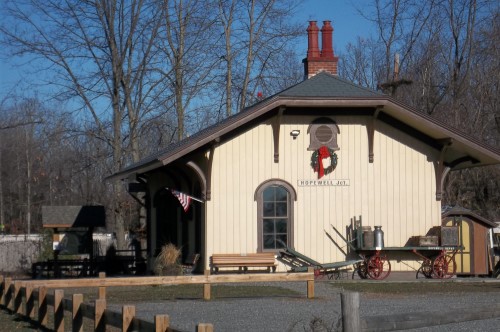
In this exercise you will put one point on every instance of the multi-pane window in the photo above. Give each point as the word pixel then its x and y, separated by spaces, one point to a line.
pixel 274 199
pixel 275 217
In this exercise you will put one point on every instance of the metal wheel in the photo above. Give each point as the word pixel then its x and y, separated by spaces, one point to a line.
pixel 378 267
pixel 425 269
pixel 444 266
pixel 360 270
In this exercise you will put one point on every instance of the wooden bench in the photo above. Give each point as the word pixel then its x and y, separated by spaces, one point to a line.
pixel 243 261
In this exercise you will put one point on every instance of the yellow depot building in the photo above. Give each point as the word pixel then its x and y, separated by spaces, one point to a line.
pixel 296 163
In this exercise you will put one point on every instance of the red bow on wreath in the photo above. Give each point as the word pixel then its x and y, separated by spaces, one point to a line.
pixel 317 161
pixel 322 154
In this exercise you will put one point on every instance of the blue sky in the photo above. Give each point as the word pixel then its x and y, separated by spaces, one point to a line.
pixel 346 21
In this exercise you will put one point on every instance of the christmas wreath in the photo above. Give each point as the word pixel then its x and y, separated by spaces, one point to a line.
pixel 317 161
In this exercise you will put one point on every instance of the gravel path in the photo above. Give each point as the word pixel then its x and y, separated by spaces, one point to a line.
pixel 298 313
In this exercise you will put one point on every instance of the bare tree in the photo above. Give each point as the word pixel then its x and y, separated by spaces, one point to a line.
pixel 450 56
pixel 188 29
pixel 49 161
pixel 22 145
pixel 103 54
pixel 399 24
pixel 227 13
pixel 473 96
pixel 257 36
pixel 360 61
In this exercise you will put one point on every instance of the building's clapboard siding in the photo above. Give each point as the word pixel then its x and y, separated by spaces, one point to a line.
pixel 396 191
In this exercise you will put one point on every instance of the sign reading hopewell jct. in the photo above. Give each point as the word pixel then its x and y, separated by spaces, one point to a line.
pixel 323 183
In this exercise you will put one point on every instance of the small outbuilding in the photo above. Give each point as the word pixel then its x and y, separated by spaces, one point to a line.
pixel 72 241
pixel 73 227
pixel 475 235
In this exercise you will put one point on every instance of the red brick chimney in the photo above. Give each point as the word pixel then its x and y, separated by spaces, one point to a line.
pixel 317 61
pixel 312 40
pixel 327 40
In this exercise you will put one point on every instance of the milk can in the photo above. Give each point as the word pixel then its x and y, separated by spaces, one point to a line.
pixel 367 237
pixel 379 237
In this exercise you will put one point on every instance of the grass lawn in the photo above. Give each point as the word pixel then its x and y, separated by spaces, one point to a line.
pixel 408 288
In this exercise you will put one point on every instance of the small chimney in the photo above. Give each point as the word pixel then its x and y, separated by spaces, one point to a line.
pixel 312 40
pixel 327 40
pixel 317 61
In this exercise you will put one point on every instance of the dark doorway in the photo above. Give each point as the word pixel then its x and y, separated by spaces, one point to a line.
pixel 174 225
pixel 168 216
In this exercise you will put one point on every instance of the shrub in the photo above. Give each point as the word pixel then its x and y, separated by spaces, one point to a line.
pixel 167 262
pixel 46 251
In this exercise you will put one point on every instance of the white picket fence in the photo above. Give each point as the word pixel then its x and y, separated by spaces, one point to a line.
pixel 17 252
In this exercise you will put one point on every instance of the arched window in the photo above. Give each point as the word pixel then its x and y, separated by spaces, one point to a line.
pixel 275 215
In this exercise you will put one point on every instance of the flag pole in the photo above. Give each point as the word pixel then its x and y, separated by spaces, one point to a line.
pixel 192 197
pixel 196 199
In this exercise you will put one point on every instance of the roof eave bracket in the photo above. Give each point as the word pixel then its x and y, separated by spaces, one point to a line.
pixel 370 128
pixel 276 124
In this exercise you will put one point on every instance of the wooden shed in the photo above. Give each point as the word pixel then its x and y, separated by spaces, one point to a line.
pixel 474 234
pixel 76 224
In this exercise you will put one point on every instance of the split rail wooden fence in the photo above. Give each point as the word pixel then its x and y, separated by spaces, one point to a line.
pixel 20 296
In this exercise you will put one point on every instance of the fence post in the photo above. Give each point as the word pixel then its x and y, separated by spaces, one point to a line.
pixel 76 313
pixel 310 284
pixel 99 318
pixel 162 323
pixel 58 310
pixel 2 290
pixel 8 293
pixel 30 302
pixel 128 314
pixel 350 312
pixel 42 306
pixel 205 327
pixel 18 297
pixel 102 289
pixel 206 287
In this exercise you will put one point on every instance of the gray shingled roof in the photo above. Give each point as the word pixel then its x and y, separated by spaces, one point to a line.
pixel 321 87
pixel 74 216
pixel 326 85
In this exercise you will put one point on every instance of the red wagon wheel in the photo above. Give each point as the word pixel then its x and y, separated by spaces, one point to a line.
pixel 318 274
pixel 378 267
pixel 444 266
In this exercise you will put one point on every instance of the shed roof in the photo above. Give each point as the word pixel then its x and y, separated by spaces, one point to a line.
pixel 73 216
pixel 460 211
pixel 325 92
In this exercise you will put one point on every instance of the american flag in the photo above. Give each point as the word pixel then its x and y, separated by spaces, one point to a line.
pixel 184 199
